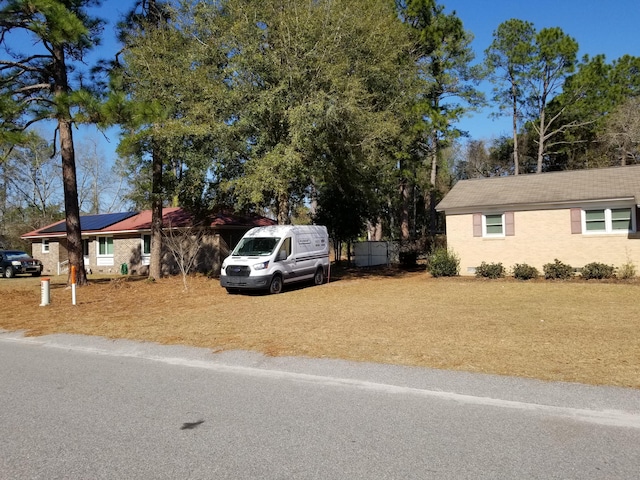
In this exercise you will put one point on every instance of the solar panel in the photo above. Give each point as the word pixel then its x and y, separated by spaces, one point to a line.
pixel 91 222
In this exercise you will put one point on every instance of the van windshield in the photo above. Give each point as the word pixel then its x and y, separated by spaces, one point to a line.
pixel 256 246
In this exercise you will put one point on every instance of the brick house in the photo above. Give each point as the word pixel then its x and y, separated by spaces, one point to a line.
pixel 578 217
pixel 112 240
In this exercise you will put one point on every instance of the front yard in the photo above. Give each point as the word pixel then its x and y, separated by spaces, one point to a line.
pixel 576 331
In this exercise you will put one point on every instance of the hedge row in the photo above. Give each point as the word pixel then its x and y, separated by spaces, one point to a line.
pixel 445 263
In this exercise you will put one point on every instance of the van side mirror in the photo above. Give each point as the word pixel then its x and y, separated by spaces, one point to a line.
pixel 282 255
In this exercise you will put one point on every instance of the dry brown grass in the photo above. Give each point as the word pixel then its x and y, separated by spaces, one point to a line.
pixel 574 331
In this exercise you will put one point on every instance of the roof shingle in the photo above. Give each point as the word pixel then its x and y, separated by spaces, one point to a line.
pixel 572 186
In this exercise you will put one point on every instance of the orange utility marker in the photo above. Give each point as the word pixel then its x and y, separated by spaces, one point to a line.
pixel 73 285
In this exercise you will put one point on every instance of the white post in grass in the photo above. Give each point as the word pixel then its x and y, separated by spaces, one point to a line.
pixel 45 296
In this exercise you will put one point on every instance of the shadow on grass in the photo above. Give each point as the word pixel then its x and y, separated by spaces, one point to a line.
pixel 120 279
pixel 346 272
pixel 343 272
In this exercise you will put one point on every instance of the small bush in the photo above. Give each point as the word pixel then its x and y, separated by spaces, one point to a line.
pixel 557 270
pixel 522 271
pixel 597 271
pixel 490 270
pixel 626 271
pixel 444 263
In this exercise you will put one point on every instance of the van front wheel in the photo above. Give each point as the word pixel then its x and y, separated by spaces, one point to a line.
pixel 276 284
pixel 318 278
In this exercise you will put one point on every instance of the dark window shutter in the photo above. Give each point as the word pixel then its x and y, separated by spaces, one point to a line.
pixel 477 224
pixel 509 225
pixel 576 220
pixel 637 218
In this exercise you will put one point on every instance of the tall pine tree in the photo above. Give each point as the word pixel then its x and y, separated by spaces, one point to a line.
pixel 36 84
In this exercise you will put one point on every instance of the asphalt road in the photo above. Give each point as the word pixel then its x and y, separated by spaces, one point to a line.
pixel 90 408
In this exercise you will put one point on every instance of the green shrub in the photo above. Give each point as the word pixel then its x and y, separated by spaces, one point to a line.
pixel 597 271
pixel 490 270
pixel 626 271
pixel 522 271
pixel 557 270
pixel 444 263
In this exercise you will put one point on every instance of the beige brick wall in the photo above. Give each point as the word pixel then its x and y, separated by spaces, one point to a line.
pixel 540 237
pixel 128 249
pixel 57 252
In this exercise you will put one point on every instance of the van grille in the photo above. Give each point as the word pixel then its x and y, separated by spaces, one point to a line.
pixel 238 271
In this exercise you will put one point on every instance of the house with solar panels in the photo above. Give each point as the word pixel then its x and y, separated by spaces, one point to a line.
pixel 578 217
pixel 117 242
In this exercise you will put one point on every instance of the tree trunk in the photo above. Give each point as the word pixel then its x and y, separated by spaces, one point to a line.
pixel 69 181
pixel 432 190
pixel 283 209
pixel 541 134
pixel 313 204
pixel 71 206
pixel 516 153
pixel 374 230
pixel 405 198
pixel 337 250
pixel 155 259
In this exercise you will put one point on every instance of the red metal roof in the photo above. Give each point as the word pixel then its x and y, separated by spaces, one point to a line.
pixel 171 217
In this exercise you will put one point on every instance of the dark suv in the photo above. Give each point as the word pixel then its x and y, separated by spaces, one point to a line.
pixel 15 262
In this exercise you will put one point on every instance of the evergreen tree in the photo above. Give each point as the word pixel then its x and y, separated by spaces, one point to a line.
pixel 509 58
pixel 36 84
pixel 443 56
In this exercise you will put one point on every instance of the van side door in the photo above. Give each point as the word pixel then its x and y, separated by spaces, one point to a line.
pixel 286 260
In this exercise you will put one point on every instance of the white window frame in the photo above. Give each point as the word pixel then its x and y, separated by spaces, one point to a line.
pixel 99 244
pixel 46 248
pixel 142 243
pixel 146 256
pixel 608 220
pixel 484 225
pixel 87 254
pixel 104 259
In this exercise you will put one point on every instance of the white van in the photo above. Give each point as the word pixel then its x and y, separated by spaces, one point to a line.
pixel 269 257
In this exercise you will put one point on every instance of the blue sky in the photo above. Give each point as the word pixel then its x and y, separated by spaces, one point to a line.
pixel 599 27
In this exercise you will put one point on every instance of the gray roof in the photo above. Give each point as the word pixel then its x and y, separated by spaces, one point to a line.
pixel 572 186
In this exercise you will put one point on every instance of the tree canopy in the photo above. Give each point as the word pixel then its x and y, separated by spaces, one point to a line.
pixel 347 110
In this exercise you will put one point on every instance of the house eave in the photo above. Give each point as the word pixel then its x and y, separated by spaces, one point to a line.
pixel 126 232
pixel 533 206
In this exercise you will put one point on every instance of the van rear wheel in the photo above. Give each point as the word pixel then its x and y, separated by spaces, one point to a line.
pixel 318 278
pixel 276 284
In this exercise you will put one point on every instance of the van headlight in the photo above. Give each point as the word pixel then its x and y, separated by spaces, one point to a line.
pixel 261 266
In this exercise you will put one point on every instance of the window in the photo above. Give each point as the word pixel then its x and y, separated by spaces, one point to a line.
pixel 494 225
pixel 621 219
pixel 608 220
pixel 105 246
pixel 85 247
pixel 45 245
pixel 146 245
pixel 286 247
